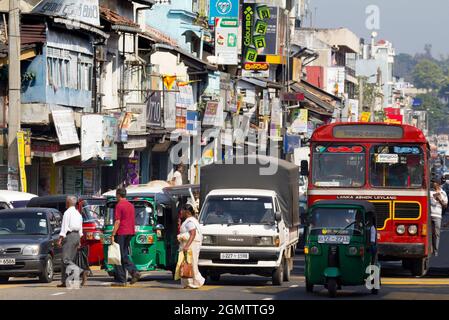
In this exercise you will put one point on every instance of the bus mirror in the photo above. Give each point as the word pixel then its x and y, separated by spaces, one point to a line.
pixel 304 168
pixel 278 216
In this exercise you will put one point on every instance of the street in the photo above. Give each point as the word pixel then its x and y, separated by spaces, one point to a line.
pixel 396 284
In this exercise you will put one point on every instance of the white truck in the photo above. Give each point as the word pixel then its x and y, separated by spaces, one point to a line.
pixel 249 221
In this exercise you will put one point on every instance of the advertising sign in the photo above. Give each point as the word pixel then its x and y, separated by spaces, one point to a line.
pixel 336 80
pixel 21 153
pixel 66 154
pixel 259 31
pixel 184 98
pixel 226 48
pixel 154 113
pixel 64 122
pixel 211 113
pixel 365 117
pixel 181 115
pixel 86 11
pixel 192 122
pixel 170 110
pixel 109 137
pixel 222 9
pixel 91 136
pixel 393 115
pixel 138 123
pixel 300 123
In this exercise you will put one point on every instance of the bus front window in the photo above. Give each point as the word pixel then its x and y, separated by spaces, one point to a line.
pixel 397 166
pixel 338 166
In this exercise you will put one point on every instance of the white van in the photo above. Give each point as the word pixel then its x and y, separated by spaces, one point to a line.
pixel 14 199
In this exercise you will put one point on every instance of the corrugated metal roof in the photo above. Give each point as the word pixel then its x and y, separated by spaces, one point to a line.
pixel 32 33
pixel 116 19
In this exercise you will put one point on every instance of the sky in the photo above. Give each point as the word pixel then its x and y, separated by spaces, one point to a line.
pixel 408 24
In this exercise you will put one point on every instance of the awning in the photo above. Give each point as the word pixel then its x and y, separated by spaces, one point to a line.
pixel 73 24
pixel 263 83
pixel 319 97
pixel 188 58
pixel 24 55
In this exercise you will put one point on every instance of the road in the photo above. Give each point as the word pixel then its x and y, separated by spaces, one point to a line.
pixel 396 284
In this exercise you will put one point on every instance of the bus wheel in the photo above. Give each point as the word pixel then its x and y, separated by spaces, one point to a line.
pixel 419 267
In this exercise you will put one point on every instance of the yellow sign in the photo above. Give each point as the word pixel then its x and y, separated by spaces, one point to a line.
pixel 21 153
pixel 365 117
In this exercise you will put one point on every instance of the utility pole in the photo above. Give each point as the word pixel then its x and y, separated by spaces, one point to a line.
pixel 14 93
pixel 361 97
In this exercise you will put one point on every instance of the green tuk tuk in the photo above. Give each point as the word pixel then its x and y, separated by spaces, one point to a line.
pixel 340 246
pixel 154 245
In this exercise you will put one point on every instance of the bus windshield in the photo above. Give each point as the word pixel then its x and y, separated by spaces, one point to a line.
pixel 338 166
pixel 397 166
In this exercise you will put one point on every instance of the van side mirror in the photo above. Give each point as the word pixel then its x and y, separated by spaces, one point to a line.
pixel 304 168
pixel 278 216
pixel 56 231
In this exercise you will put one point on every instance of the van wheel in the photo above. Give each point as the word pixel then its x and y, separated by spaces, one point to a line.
pixel 419 267
pixel 287 270
pixel 278 275
pixel 332 287
pixel 4 279
pixel 48 273
pixel 309 286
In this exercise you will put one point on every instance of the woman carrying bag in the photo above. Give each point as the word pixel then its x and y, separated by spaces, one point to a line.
pixel 190 239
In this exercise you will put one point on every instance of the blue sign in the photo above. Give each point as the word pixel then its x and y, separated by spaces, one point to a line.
pixel 192 121
pixel 291 142
pixel 417 102
pixel 223 9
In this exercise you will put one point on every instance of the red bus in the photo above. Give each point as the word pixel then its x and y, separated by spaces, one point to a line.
pixel 388 165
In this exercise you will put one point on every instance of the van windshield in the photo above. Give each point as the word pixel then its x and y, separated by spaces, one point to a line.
pixel 238 210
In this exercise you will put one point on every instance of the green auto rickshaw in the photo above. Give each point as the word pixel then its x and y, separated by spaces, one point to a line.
pixel 155 245
pixel 340 246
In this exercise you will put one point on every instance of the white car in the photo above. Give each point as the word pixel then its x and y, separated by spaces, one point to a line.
pixel 14 199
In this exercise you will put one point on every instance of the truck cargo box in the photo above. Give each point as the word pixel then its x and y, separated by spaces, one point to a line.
pixel 247 176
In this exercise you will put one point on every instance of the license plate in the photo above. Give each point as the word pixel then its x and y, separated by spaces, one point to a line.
pixel 234 256
pixel 333 239
pixel 7 262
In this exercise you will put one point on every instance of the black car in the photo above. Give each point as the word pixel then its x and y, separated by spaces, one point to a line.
pixel 28 243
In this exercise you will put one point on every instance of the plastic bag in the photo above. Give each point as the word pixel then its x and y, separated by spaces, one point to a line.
pixel 114 257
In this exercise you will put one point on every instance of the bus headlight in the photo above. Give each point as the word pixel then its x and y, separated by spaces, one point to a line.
pixel 413 229
pixel 400 229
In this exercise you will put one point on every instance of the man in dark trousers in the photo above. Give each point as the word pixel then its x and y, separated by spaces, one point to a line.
pixel 124 230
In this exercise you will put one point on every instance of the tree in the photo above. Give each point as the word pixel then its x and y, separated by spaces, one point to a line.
pixel 403 66
pixel 438 112
pixel 428 75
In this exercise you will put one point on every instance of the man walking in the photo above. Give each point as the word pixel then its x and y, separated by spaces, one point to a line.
pixel 69 237
pixel 124 230
pixel 438 202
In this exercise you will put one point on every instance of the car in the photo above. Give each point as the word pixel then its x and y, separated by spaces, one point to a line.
pixel 93 211
pixel 28 243
pixel 14 199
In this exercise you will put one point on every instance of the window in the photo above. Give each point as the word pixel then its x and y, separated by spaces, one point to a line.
pixel 343 221
pixel 338 166
pixel 238 210
pixel 397 166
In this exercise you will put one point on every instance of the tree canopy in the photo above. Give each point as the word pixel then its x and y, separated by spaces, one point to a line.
pixel 428 75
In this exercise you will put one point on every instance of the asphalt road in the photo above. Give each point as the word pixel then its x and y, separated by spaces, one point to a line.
pixel 396 284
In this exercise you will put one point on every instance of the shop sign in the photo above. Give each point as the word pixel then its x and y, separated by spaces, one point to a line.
pixel 64 122
pixel 66 154
pixel 132 170
pixel 212 114
pixel 256 70
pixel 292 97
pixel 181 118
pixel 226 48
pixel 44 149
pixel 222 9
pixel 154 110
pixel 135 143
pixel 86 11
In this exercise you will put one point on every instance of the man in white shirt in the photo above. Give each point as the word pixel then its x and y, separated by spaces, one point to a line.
pixel 70 235
pixel 438 201
pixel 176 178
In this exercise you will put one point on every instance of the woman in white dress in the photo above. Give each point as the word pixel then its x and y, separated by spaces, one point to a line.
pixel 190 239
